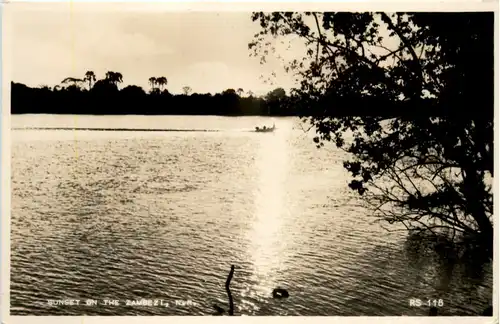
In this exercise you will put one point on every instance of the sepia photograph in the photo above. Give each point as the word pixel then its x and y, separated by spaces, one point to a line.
pixel 250 163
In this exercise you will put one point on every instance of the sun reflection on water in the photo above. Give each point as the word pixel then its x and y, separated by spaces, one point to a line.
pixel 267 235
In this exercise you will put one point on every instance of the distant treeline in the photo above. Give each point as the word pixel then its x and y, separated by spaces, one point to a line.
pixel 89 96
pixel 104 97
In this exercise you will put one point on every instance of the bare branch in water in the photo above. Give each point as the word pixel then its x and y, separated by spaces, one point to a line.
pixel 229 296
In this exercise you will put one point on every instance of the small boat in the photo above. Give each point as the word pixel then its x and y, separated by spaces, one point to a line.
pixel 265 129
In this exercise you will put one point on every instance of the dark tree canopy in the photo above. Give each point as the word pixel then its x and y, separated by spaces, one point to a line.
pixel 410 97
pixel 103 97
pixel 276 94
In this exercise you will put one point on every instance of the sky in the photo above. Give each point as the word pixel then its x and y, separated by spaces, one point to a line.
pixel 207 51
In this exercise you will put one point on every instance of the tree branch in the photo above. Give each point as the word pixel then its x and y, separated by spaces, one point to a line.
pixel 407 44
pixel 319 34
pixel 228 290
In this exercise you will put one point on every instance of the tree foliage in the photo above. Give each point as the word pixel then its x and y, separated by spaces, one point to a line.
pixel 114 77
pixel 162 82
pixel 72 82
pixel 90 78
pixel 410 97
pixel 103 97
pixel 187 90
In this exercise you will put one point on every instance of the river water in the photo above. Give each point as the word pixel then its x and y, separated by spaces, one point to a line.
pixel 163 215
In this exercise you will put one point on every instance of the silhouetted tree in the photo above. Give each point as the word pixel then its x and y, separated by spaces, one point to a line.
pixel 44 87
pixel 152 82
pixel 104 98
pixel 186 90
pixel 420 112
pixel 276 94
pixel 90 78
pixel 104 88
pixel 133 91
pixel 240 92
pixel 114 77
pixel 74 82
pixel 161 81
pixel 276 102
pixel 231 92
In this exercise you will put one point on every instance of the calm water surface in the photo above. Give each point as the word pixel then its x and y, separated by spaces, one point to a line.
pixel 130 215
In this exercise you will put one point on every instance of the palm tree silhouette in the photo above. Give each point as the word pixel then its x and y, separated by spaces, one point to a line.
pixel 239 91
pixel 161 81
pixel 152 82
pixel 114 77
pixel 89 77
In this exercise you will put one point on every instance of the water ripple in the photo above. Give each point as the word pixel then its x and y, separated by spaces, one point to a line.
pixel 124 217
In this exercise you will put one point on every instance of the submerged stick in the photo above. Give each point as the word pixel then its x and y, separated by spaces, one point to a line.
pixel 229 296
